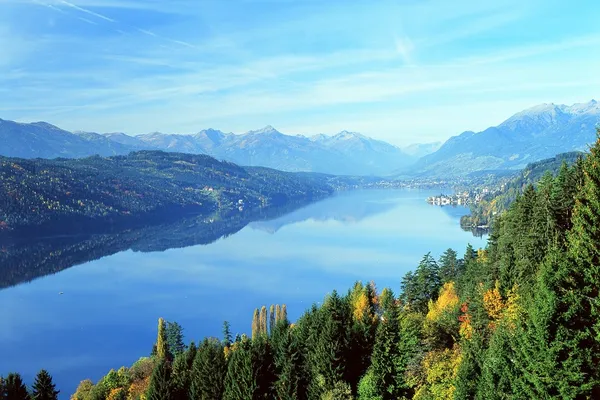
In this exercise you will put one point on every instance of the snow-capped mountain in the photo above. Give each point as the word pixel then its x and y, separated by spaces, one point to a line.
pixel 536 133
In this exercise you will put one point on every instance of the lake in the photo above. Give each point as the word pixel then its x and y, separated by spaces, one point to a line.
pixel 200 272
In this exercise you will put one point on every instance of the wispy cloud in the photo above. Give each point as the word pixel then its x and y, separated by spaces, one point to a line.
pixel 379 67
pixel 84 10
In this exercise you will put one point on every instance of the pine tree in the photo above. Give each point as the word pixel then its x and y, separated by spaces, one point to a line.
pixel 180 378
pixel 332 347
pixel 255 324
pixel 263 367
pixel 190 354
pixel 43 388
pixel 291 384
pixel 385 355
pixel 422 285
pixel 3 389
pixel 240 382
pixel 408 347
pixel 14 388
pixel 174 334
pixel 227 338
pixel 449 266
pixel 209 370
pixel 160 381
pixel 162 347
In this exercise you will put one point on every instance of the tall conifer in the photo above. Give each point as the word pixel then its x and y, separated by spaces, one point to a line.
pixel 160 381
pixel 14 388
pixel 43 387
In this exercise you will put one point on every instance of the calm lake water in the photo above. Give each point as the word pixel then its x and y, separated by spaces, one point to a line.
pixel 107 313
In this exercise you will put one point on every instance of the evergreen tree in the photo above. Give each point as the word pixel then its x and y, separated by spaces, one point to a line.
pixel 3 388
pixel 180 378
pixel 449 266
pixel 290 384
pixel 174 334
pixel 470 254
pixel 332 348
pixel 498 371
pixel 408 348
pixel 209 370
pixel 190 354
pixel 422 285
pixel 240 382
pixel 385 355
pixel 227 338
pixel 162 347
pixel 43 388
pixel 160 381
pixel 14 388
pixel 263 368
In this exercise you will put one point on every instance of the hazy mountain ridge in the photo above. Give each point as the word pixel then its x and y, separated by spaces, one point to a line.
pixel 346 153
pixel 534 134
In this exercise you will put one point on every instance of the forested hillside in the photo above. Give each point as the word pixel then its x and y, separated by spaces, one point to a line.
pixel 36 193
pixel 496 202
pixel 516 320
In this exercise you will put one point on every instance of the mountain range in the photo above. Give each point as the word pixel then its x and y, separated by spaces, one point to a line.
pixel 534 134
pixel 346 153
pixel 530 135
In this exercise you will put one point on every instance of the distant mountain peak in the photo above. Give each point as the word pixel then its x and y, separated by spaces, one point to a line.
pixel 350 135
pixel 267 130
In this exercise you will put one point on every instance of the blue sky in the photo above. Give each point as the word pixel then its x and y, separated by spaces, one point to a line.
pixel 403 71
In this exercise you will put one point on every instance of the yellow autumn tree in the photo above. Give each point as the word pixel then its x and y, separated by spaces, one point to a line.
pixel 138 389
pixel 513 310
pixel 117 394
pixel 439 368
pixel 446 301
pixel 493 303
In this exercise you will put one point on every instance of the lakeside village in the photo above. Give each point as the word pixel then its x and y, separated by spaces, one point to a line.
pixel 462 198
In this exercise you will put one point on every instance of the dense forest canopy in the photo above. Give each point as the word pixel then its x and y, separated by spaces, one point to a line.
pixel 42 192
pixel 516 320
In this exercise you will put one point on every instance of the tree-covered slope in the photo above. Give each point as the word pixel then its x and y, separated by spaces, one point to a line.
pixel 42 192
pixel 496 202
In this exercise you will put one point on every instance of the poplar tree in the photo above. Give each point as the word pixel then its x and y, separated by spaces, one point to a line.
pixel 278 313
pixel 283 316
pixel 271 319
pixel 162 347
pixel 255 324
pixel 43 387
pixel 263 321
